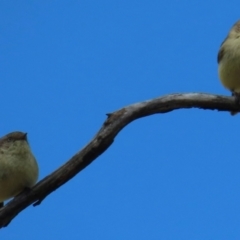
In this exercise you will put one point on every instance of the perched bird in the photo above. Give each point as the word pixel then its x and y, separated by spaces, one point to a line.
pixel 229 62
pixel 18 166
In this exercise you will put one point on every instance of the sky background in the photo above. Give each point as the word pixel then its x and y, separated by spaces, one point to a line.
pixel 65 64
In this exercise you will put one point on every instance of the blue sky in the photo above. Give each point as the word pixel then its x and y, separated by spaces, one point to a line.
pixel 65 64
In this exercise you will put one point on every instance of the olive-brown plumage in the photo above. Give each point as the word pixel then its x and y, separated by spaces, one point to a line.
pixel 18 166
pixel 229 62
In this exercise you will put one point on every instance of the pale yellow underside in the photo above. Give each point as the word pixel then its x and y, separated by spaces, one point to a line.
pixel 229 66
pixel 229 74
pixel 18 170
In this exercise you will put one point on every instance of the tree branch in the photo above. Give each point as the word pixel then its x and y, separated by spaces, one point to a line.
pixel 115 122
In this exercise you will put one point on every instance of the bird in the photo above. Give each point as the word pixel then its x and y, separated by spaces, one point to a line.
pixel 18 166
pixel 229 62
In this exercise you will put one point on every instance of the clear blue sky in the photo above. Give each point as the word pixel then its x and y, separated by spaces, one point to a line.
pixel 65 64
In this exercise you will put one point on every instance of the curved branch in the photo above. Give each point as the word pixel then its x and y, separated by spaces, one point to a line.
pixel 115 122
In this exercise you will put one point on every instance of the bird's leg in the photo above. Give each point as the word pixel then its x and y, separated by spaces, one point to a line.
pixel 236 96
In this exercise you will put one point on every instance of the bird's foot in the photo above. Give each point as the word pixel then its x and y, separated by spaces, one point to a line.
pixel 236 96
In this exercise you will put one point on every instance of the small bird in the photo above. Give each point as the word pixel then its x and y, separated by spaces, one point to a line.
pixel 229 62
pixel 18 166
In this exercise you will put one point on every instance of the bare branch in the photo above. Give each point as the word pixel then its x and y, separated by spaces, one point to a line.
pixel 115 122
